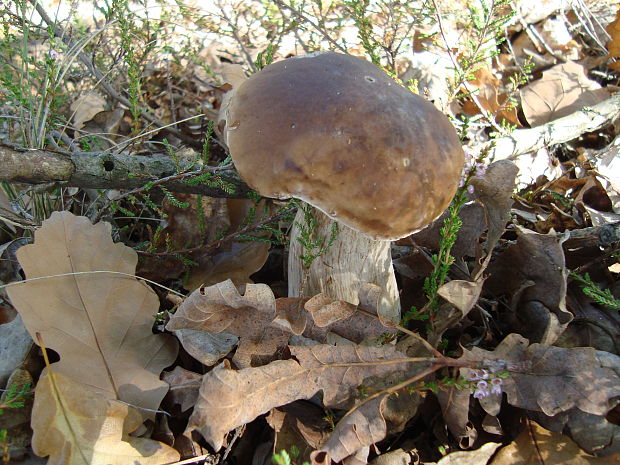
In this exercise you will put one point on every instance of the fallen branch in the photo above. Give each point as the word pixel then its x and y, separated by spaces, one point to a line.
pixel 595 236
pixel 104 170
pixel 561 130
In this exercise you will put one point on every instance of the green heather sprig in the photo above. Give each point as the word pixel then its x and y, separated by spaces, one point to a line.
pixel 442 260
pixel 602 297
pixel 474 167
pixel 313 245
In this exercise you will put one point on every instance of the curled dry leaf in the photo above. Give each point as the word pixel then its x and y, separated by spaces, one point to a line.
pixel 99 323
pixel 234 260
pixel 536 445
pixel 230 398
pixel 593 433
pixel 358 429
pixel 470 457
pixel 265 324
pixel 613 29
pixel 557 379
pixel 184 385
pixel 76 425
pixel 462 294
pixel 532 272
pixel 207 348
pixel 455 410
pixel 86 106
pixel 220 308
pixel 495 190
pixel 562 90
pixel 489 98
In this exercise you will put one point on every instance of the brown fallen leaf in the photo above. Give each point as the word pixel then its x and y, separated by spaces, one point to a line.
pixel 184 385
pixel 593 433
pixel 470 457
pixel 207 348
pixel 557 379
pixel 264 324
pixel 356 431
pixel 75 425
pixel 99 323
pixel 86 106
pixel 495 190
pixel 230 398
pixel 532 273
pixel 536 445
pixel 462 294
pixel 235 260
pixel 613 29
pixel 562 90
pixel 455 410
pixel 221 308
pixel 487 93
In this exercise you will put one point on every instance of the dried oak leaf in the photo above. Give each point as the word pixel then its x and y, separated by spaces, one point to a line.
pixel 184 385
pixel 613 29
pixel 470 457
pixel 356 431
pixel 495 190
pixel 99 323
pixel 76 425
pixel 264 324
pixel 552 379
pixel 455 410
pixel 230 398
pixel 562 90
pixel 536 445
pixel 220 308
pixel 532 272
pixel 593 433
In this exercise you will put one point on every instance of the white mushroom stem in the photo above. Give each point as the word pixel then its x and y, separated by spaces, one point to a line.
pixel 352 260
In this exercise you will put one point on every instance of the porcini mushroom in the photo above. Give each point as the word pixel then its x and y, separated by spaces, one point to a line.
pixel 336 132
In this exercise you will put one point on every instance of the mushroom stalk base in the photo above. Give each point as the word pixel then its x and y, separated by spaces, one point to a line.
pixel 351 261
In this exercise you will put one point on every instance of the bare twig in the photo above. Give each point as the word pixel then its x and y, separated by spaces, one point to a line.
pixel 555 132
pixel 303 18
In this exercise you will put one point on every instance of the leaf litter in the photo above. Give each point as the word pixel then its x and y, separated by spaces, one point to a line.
pixel 531 366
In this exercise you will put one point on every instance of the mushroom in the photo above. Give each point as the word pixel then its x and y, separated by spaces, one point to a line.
pixel 336 132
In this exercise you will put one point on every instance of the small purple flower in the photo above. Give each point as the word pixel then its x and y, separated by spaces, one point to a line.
pixel 475 375
pixel 496 386
pixel 54 54
pixel 482 389
pixel 479 394
pixel 481 169
pixel 470 189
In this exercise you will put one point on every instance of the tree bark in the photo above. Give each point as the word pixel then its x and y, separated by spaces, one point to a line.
pixel 104 170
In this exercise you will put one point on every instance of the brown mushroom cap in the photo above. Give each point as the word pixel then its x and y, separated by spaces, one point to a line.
pixel 335 131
